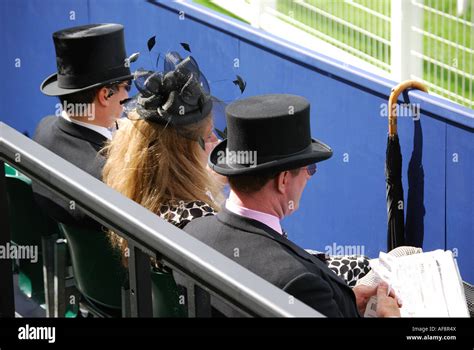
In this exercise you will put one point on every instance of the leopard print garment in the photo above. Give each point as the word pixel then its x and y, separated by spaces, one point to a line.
pixel 350 267
pixel 181 213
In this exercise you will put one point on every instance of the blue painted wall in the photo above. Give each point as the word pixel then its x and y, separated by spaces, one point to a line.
pixel 344 203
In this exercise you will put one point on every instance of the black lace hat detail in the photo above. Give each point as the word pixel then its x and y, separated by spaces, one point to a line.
pixel 177 96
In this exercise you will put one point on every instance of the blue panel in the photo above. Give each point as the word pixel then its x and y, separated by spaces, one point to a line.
pixel 344 203
pixel 460 198
pixel 27 35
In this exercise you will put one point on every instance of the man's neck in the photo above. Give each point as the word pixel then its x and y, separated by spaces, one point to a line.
pixel 258 202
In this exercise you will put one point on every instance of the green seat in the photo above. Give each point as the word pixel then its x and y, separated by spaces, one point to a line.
pixel 9 170
pixel 97 267
pixel 165 295
pixel 100 275
pixel 28 225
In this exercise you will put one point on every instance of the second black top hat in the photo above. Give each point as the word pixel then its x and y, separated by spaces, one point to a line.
pixel 267 133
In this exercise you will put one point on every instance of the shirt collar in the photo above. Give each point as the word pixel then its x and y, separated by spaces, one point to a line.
pixel 99 129
pixel 267 219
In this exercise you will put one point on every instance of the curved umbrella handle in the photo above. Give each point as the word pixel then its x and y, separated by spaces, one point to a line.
pixel 392 101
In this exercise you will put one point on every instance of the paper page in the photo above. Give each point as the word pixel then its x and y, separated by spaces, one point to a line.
pixel 428 284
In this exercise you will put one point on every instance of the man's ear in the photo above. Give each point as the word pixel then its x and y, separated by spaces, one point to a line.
pixel 102 96
pixel 282 181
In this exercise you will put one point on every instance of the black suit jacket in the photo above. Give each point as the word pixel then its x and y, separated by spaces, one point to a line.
pixel 268 254
pixel 78 145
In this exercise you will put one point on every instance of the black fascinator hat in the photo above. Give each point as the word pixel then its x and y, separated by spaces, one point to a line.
pixel 177 96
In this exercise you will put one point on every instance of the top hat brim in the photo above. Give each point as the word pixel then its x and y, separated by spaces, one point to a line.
pixel 316 152
pixel 50 85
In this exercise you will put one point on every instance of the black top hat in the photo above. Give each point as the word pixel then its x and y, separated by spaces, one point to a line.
pixel 267 133
pixel 87 56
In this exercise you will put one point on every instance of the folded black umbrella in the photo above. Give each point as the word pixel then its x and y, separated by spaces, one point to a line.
pixel 393 171
pixel 394 195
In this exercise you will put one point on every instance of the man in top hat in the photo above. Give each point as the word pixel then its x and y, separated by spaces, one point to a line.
pixel 268 157
pixel 93 77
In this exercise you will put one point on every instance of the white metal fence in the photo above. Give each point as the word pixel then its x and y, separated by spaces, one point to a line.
pixel 429 40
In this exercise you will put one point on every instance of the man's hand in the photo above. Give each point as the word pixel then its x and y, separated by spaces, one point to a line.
pixel 363 294
pixel 387 305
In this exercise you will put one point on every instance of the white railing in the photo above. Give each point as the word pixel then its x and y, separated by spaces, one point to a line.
pixel 429 40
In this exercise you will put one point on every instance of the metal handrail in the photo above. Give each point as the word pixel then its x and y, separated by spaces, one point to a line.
pixel 149 233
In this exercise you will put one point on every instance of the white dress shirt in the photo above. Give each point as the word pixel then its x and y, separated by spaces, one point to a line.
pixel 99 129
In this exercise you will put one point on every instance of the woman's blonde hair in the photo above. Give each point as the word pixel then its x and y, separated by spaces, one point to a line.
pixel 156 165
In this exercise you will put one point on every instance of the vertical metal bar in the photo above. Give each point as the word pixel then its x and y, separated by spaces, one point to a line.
pixel 396 40
pixel 432 70
pixel 334 10
pixel 7 298
pixel 140 283
pixel 125 302
pixel 373 20
pixel 405 15
pixel 198 300
pixel 386 28
pixel 450 57
pixel 367 17
pixel 47 246
pixel 60 278
pixel 380 47
pixel 415 40
pixel 437 71
pixel 345 32
pixel 202 302
pixel 457 58
pixel 338 25
pixel 464 61
pixel 358 34
pixel 191 298
pixel 471 82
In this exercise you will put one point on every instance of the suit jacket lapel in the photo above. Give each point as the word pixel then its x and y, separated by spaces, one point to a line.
pixel 81 132
pixel 256 227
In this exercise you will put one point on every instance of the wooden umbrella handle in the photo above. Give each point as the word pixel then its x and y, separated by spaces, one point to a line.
pixel 392 102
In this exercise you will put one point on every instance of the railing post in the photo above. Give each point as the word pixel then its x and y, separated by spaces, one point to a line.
pixel 198 300
pixel 47 243
pixel 125 302
pixel 140 283
pixel 202 302
pixel 60 278
pixel 7 299
pixel 257 8
pixel 404 16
